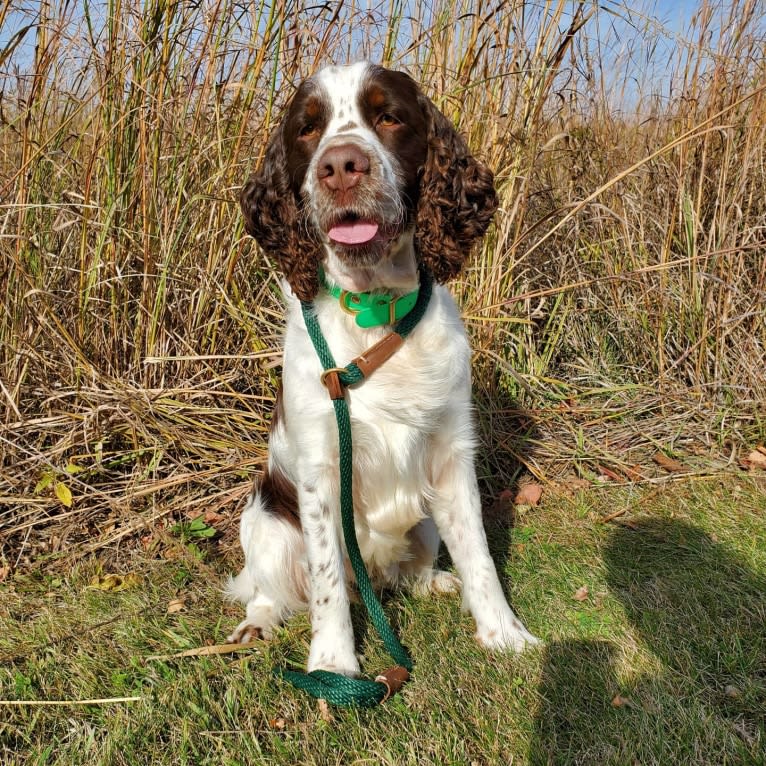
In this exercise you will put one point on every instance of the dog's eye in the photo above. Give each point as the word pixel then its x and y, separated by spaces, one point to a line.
pixel 309 130
pixel 387 120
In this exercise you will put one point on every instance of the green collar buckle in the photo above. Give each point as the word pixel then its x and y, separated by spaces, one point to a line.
pixel 373 309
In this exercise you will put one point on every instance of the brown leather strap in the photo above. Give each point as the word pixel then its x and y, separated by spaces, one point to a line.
pixel 384 349
pixel 394 678
pixel 331 381
pixel 367 362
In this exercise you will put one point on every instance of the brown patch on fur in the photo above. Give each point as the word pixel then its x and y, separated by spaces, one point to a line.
pixel 280 497
pixel 457 199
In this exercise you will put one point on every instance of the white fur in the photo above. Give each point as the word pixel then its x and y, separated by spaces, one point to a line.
pixel 413 459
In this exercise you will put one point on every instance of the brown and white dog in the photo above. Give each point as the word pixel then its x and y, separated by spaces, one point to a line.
pixel 366 179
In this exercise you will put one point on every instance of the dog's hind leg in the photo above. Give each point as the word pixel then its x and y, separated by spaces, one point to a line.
pixel 273 583
pixel 419 568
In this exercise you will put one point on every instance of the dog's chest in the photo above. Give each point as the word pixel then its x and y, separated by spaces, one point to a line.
pixel 398 416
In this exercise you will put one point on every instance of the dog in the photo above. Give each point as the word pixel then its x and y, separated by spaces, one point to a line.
pixel 365 185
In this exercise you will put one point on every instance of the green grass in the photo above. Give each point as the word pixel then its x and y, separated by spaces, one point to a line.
pixel 674 625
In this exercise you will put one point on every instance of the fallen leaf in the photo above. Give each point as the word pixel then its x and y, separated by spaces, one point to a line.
pixel 213 517
pixel 176 605
pixel 668 463
pixel 277 723
pixel 620 701
pixel 63 493
pixel 324 711
pixel 633 472
pixel 756 459
pixel 610 474
pixel 581 594
pixel 114 582
pixel 732 692
pixel 528 494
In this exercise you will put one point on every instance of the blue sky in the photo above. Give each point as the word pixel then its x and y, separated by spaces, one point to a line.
pixel 674 14
pixel 635 62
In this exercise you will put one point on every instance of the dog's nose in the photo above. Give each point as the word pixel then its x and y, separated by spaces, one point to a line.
pixel 341 167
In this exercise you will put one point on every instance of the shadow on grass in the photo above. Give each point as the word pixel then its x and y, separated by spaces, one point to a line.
pixel 699 611
pixel 507 432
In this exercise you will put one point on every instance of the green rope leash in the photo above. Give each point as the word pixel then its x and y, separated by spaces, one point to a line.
pixel 322 684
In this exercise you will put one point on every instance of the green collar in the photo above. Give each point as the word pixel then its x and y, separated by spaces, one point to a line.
pixel 373 309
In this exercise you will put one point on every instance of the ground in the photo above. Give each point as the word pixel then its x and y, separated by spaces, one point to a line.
pixel 654 629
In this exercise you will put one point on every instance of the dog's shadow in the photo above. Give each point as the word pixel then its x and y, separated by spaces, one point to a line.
pixel 702 613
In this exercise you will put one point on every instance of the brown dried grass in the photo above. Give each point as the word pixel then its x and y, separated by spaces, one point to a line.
pixel 616 307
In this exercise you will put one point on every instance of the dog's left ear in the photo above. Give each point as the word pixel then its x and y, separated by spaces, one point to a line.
pixel 457 199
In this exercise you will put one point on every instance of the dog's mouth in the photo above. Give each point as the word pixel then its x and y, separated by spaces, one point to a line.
pixel 351 230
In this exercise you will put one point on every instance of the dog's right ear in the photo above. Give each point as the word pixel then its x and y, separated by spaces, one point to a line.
pixel 272 216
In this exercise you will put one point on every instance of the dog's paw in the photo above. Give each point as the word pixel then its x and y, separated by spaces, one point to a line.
pixel 247 631
pixel 339 666
pixel 437 582
pixel 330 656
pixel 508 635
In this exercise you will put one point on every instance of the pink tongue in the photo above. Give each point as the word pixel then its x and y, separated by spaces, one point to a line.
pixel 353 232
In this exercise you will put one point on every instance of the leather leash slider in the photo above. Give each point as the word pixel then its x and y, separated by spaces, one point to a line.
pixel 393 679
pixel 331 381
pixel 369 361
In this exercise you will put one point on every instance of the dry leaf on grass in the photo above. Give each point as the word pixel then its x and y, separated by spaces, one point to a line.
pixel 756 460
pixel 114 582
pixel 176 605
pixel 528 494
pixel 633 472
pixel 620 701
pixel 668 463
pixel 581 594
pixel 324 711
pixel 610 474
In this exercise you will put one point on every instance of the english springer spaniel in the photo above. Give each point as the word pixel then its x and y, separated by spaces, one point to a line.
pixel 365 185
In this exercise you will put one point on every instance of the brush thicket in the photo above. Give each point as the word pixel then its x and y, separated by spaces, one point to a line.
pixel 616 305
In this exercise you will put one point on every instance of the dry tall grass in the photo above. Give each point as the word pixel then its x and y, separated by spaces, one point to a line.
pixel 616 306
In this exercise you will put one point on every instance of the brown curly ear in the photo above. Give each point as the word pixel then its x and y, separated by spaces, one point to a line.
pixel 457 199
pixel 272 216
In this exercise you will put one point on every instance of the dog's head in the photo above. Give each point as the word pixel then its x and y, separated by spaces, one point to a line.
pixel 361 161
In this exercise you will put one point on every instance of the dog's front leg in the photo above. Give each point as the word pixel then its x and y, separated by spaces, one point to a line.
pixel 332 635
pixel 456 509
